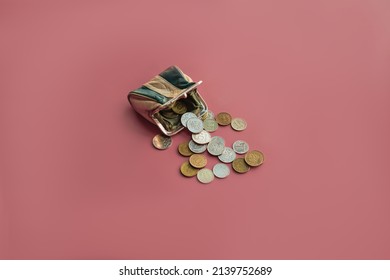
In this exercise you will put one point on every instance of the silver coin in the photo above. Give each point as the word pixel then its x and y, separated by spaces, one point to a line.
pixel 221 170
pixel 162 142
pixel 210 115
pixel 201 138
pixel 240 147
pixel 195 125
pixel 210 125
pixel 205 176
pixel 238 124
pixel 228 155
pixel 216 145
pixel 196 148
pixel 185 117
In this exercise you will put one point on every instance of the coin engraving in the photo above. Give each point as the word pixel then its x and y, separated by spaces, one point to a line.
pixel 184 150
pixel 201 138
pixel 195 125
pixel 238 124
pixel 223 118
pixel 196 148
pixel 254 158
pixel 227 155
pixel 210 125
pixel 221 170
pixel 185 117
pixel 239 165
pixel 205 176
pixel 198 161
pixel 240 147
pixel 187 170
pixel 216 145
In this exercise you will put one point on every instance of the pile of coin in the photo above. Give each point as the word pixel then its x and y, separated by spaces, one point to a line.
pixel 201 140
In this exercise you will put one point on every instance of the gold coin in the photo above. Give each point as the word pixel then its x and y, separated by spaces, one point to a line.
pixel 254 158
pixel 187 170
pixel 179 107
pixel 198 161
pixel 184 150
pixel 223 118
pixel 240 166
pixel 161 142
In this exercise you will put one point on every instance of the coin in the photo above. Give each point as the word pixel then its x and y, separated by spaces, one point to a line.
pixel 195 125
pixel 196 148
pixel 228 155
pixel 210 115
pixel 179 107
pixel 201 138
pixel 223 118
pixel 221 170
pixel 198 161
pixel 240 147
pixel 216 145
pixel 185 117
pixel 210 125
pixel 254 158
pixel 205 176
pixel 240 166
pixel 187 170
pixel 238 124
pixel 184 150
pixel 162 142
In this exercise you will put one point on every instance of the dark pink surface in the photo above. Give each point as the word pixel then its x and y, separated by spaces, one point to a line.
pixel 80 180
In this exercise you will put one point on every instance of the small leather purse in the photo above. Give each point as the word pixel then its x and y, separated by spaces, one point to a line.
pixel 166 97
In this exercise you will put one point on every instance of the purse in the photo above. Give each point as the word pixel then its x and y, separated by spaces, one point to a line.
pixel 166 97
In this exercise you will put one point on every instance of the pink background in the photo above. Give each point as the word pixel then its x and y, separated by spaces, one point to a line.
pixel 78 174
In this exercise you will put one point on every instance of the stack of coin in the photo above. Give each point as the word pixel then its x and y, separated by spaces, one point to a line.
pixel 201 140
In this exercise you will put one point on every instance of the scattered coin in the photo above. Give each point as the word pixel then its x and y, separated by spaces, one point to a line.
pixel 254 158
pixel 196 148
pixel 240 147
pixel 228 155
pixel 221 170
pixel 185 117
pixel 223 118
pixel 187 170
pixel 184 150
pixel 162 142
pixel 216 145
pixel 210 125
pixel 205 176
pixel 240 166
pixel 198 161
pixel 179 107
pixel 201 138
pixel 195 125
pixel 210 115
pixel 238 124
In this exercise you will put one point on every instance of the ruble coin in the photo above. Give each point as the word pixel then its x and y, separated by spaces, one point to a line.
pixel 187 170
pixel 179 107
pixel 195 125
pixel 221 170
pixel 240 166
pixel 238 124
pixel 223 118
pixel 205 176
pixel 162 142
pixel 184 150
pixel 240 147
pixel 198 161
pixel 254 158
